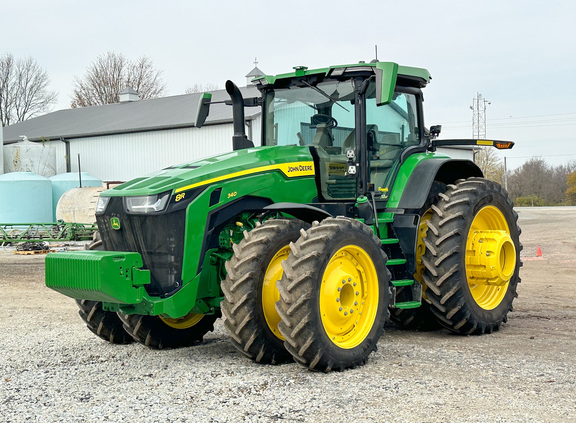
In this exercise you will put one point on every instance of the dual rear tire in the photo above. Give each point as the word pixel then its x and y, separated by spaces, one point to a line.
pixel 472 257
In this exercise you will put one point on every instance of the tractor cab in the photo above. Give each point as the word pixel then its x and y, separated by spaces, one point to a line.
pixel 359 121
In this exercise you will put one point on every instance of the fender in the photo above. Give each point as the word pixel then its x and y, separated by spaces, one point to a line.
pixel 446 170
pixel 415 193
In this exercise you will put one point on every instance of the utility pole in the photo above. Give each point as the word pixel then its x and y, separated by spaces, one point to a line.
pixel 478 108
pixel 505 175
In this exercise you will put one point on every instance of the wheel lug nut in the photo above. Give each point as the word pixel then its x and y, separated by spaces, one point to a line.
pixel 338 299
pixel 345 313
pixel 343 281
pixel 351 311
pixel 357 293
pixel 349 279
pixel 340 309
pixel 354 283
pixel 355 302
pixel 339 289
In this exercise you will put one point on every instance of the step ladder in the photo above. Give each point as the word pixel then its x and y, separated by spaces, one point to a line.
pixel 397 265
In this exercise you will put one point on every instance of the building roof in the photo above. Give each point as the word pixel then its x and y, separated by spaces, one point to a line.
pixel 136 116
pixel 255 72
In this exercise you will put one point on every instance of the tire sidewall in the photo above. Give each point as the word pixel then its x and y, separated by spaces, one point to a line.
pixel 496 199
pixel 364 241
pixel 281 241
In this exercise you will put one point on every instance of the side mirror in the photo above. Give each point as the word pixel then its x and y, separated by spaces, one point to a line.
pixel 202 110
pixel 435 131
pixel 386 74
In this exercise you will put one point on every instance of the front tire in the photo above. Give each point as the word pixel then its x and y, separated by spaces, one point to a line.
pixel 160 332
pixel 334 295
pixel 472 257
pixel 104 324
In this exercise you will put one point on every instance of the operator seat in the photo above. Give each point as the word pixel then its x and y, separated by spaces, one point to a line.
pixel 323 138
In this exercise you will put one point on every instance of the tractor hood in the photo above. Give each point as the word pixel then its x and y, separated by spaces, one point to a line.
pixel 292 161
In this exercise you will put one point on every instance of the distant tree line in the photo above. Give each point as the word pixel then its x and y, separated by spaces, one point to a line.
pixel 535 183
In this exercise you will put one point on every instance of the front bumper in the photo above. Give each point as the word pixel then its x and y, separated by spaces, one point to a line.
pixel 107 276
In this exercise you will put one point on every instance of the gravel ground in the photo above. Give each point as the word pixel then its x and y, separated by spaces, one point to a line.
pixel 53 369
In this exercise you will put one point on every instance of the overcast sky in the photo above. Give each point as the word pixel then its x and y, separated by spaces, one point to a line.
pixel 519 55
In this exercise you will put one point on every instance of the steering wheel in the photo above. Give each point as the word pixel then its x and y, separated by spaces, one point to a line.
pixel 329 121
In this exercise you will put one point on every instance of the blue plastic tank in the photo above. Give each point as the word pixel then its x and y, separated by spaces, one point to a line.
pixel 25 198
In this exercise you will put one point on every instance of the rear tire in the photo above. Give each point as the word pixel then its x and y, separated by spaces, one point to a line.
pixel 472 257
pixel 158 332
pixel 250 290
pixel 334 295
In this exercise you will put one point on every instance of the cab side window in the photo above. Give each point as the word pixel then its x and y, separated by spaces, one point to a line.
pixel 389 130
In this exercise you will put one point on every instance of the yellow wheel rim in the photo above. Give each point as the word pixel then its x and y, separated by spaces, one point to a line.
pixel 490 257
pixel 420 247
pixel 270 294
pixel 183 322
pixel 349 297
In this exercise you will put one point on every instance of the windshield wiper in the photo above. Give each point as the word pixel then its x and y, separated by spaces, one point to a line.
pixel 325 94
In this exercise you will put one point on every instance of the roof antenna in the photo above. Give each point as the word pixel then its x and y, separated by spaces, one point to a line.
pixel 376 52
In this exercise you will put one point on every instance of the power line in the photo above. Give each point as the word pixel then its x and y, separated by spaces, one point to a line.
pixel 534 116
pixel 540 155
pixel 521 117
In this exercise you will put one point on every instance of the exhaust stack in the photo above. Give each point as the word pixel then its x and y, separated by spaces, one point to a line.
pixel 239 139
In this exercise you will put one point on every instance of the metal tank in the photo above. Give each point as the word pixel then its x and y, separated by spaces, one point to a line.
pixel 67 181
pixel 25 198
pixel 27 156
pixel 78 205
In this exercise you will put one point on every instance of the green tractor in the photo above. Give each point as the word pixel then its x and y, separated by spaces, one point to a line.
pixel 345 217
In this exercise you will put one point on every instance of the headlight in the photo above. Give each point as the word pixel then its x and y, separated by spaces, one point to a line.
pixel 102 204
pixel 147 204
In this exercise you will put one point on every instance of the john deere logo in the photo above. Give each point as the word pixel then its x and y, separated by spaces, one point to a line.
pixel 115 223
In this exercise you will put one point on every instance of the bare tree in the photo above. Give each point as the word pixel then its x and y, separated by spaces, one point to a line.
pixel 106 77
pixel 491 165
pixel 200 88
pixel 23 90
pixel 529 179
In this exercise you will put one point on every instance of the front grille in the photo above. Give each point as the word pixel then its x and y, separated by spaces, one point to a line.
pixel 158 238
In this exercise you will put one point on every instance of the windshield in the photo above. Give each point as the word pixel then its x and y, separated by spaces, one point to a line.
pixel 293 114
pixel 323 117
